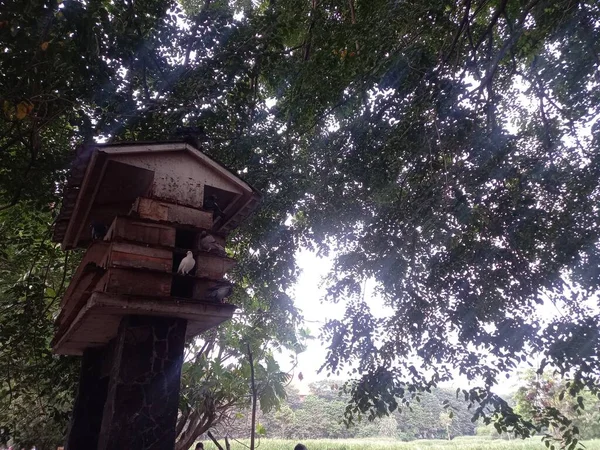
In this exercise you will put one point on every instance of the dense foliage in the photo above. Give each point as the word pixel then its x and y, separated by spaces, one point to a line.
pixel 449 151
pixel 37 388
pixel 439 414
pixel 318 415
pixel 542 392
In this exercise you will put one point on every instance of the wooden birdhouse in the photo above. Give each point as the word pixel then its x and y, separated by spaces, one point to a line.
pixel 138 209
pixel 154 218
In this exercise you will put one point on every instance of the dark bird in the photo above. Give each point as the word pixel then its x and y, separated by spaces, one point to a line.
pixel 209 243
pixel 300 447
pixel 98 230
pixel 220 292
pixel 194 136
pixel 211 204
pixel 185 131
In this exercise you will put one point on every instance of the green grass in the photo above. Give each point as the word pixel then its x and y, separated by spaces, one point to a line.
pixel 460 443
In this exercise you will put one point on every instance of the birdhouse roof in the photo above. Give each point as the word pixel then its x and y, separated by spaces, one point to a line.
pixel 106 179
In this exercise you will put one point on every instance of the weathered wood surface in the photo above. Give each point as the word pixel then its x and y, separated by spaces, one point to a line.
pixel 175 189
pixel 84 286
pixel 129 229
pixel 191 165
pixel 136 282
pixel 213 266
pixel 93 256
pixel 111 194
pixel 106 180
pixel 97 322
pixel 126 255
pixel 140 410
pixel 147 208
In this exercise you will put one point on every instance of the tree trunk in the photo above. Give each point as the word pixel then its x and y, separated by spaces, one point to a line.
pixel 254 395
pixel 196 427
pixel 181 421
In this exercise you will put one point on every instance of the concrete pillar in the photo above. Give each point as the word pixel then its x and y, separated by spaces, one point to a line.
pixel 140 412
pixel 89 404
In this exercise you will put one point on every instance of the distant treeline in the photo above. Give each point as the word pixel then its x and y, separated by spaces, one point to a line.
pixel 318 415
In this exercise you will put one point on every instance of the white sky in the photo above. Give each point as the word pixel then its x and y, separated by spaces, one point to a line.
pixel 308 295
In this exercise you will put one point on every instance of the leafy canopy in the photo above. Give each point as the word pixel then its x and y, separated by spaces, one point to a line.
pixel 448 151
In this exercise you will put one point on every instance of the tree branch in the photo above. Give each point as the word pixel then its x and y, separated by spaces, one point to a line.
pixel 212 438
pixel 492 23
pixel 464 22
pixel 507 45
pixel 353 19
pixel 188 49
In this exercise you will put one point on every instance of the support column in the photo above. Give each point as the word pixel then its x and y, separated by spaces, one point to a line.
pixel 140 412
pixel 84 428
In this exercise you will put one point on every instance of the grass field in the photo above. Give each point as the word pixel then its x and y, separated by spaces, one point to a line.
pixel 460 443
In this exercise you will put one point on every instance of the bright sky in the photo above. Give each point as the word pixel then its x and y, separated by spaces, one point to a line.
pixel 308 295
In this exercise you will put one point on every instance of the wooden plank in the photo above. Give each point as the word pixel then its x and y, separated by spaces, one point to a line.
pixel 151 209
pixel 136 261
pixel 97 322
pixel 173 188
pixel 150 233
pixel 147 208
pixel 87 283
pixel 123 254
pixel 74 338
pixel 136 282
pixel 189 216
pixel 93 256
pixel 213 266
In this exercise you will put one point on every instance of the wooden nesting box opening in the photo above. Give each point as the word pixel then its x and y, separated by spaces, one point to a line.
pixel 178 255
pixel 224 197
pixel 182 286
pixel 185 238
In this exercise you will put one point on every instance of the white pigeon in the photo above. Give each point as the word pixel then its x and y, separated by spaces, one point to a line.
pixel 209 243
pixel 186 264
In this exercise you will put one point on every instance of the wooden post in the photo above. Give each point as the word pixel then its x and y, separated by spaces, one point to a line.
pixel 140 412
pixel 89 404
